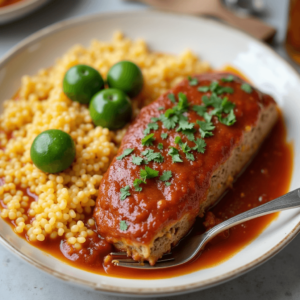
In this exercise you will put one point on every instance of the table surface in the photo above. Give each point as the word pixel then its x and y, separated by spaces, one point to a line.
pixel 276 279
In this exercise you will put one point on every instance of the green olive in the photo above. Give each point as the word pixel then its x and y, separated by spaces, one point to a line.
pixel 53 151
pixel 110 108
pixel 126 76
pixel 81 83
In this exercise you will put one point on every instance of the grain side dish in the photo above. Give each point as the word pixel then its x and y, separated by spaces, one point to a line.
pixel 45 206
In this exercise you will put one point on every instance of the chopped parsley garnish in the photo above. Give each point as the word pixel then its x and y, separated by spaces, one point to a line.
pixel 177 140
pixel 182 102
pixel 206 128
pixel 200 145
pixel 175 155
pixel 184 125
pixel 227 106
pixel 136 184
pixel 168 183
pixel 192 81
pixel 189 133
pixel 203 89
pixel 199 109
pixel 153 156
pixel 218 89
pixel 165 176
pixel 185 148
pixel 123 225
pixel 172 98
pixel 169 122
pixel 229 78
pixel 229 120
pixel 154 119
pixel 124 192
pixel 160 146
pixel 137 160
pixel 148 173
pixel 125 153
pixel 246 88
pixel 213 100
pixel 151 126
pixel 164 136
pixel 161 108
pixel 148 140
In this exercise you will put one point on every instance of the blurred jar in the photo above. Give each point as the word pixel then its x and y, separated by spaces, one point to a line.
pixel 292 42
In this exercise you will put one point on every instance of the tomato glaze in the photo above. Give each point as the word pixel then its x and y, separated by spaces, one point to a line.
pixel 267 177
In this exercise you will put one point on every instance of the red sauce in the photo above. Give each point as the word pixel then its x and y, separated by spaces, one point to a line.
pixel 267 177
pixel 8 2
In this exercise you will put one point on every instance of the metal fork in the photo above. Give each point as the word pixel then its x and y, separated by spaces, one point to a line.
pixel 192 245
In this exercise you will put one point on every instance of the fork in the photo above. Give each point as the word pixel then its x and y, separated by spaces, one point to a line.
pixel 193 244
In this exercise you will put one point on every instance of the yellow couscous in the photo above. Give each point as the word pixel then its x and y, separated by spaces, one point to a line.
pixel 49 205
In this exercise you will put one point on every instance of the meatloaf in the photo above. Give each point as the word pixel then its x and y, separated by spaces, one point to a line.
pixel 177 159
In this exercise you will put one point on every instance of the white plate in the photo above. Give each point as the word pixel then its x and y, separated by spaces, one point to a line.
pixel 215 43
pixel 18 10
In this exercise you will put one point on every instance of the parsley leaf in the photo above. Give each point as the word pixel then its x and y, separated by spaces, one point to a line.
pixel 186 149
pixel 205 128
pixel 153 119
pixel 150 126
pixel 148 173
pixel 136 184
pixel 247 88
pixel 192 81
pixel 177 140
pixel 175 155
pixel 161 108
pixel 183 125
pixel 213 100
pixel 125 192
pixel 199 109
pixel 148 140
pixel 227 105
pixel 169 122
pixel 153 156
pixel 229 78
pixel 125 153
pixel 168 183
pixel 160 146
pixel 229 120
pixel 137 160
pixel 213 86
pixel 165 176
pixel 182 105
pixel 224 89
pixel 200 145
pixel 123 225
pixel 164 136
pixel 172 98
pixel 189 133
pixel 203 89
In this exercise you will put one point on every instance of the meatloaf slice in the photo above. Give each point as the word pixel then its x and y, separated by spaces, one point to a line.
pixel 146 220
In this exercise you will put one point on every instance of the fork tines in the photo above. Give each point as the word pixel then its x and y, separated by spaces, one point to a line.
pixel 125 262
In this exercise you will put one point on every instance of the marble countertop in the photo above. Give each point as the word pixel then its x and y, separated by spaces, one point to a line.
pixel 277 279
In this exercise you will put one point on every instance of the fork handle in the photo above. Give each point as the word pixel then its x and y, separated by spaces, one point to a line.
pixel 287 201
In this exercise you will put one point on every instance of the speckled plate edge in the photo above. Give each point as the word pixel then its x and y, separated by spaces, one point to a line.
pixel 140 292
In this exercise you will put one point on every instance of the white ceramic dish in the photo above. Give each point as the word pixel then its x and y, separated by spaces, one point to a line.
pixel 18 10
pixel 215 43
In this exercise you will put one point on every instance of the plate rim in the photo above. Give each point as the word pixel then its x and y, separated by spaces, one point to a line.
pixel 144 292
